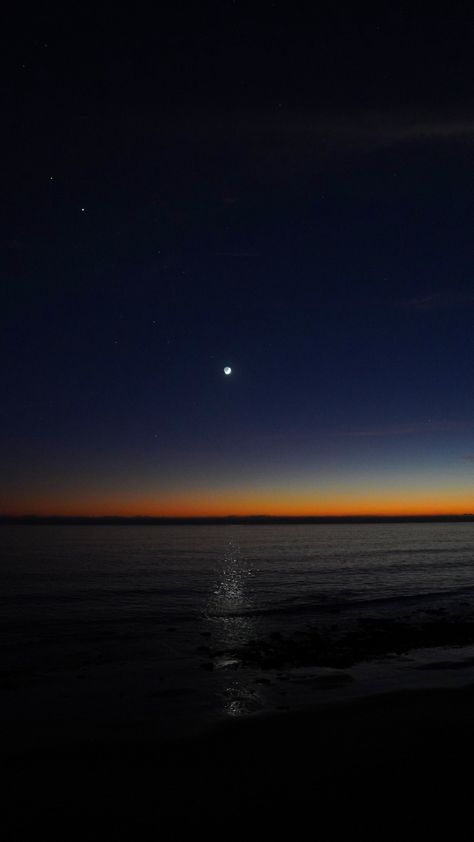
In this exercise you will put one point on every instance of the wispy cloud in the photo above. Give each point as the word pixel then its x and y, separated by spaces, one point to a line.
pixel 413 129
pixel 416 428
pixel 279 144
pixel 238 254
pixel 442 300
pixel 365 128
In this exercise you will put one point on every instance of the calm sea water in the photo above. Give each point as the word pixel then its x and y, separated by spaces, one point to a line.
pixel 112 626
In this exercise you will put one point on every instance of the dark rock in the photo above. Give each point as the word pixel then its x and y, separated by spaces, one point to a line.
pixel 370 638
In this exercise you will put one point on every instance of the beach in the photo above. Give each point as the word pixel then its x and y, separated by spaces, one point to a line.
pixel 398 765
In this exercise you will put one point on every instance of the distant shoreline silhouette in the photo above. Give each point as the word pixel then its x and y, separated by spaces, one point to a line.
pixel 229 519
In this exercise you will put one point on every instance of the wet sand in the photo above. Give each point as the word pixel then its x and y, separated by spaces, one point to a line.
pixel 393 766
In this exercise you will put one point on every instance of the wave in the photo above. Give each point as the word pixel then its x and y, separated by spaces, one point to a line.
pixel 329 605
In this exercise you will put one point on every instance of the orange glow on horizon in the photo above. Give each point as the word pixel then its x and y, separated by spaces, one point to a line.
pixel 276 505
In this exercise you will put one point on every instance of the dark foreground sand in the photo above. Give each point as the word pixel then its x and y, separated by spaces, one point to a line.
pixel 398 766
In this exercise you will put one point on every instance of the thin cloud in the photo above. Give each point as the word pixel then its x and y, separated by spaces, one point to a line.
pixel 299 132
pixel 444 300
pixel 410 429
pixel 418 129
pixel 238 254
pixel 261 143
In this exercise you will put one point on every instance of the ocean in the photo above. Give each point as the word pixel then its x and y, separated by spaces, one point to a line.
pixel 143 628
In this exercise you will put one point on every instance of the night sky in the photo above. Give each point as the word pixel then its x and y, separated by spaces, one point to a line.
pixel 286 189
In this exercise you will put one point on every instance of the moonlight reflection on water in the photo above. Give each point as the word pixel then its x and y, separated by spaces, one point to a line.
pixel 228 612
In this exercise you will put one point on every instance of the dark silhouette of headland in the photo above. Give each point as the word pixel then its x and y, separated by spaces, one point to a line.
pixel 257 520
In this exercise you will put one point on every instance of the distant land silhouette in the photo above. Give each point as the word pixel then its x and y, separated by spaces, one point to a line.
pixel 250 520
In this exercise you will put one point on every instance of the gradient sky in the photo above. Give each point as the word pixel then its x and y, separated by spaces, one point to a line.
pixel 288 192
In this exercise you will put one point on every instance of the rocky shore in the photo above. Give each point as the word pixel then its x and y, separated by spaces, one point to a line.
pixel 343 645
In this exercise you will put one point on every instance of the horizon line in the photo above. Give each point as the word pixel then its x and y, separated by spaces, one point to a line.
pixel 230 518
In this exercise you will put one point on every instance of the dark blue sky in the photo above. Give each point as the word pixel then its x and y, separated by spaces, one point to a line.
pixel 286 192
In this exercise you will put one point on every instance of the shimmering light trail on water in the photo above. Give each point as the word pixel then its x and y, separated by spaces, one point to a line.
pixel 134 624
